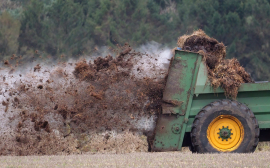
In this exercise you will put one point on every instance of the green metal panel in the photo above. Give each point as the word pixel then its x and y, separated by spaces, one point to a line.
pixel 257 101
pixel 202 80
pixel 177 100
pixel 168 132
pixel 203 86
pixel 195 77
pixel 178 87
pixel 245 87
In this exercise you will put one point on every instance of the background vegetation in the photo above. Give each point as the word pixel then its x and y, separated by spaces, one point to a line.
pixel 74 27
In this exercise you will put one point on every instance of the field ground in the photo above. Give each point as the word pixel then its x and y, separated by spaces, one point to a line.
pixel 165 159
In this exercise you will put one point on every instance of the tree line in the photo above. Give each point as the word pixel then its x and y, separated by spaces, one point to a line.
pixel 75 27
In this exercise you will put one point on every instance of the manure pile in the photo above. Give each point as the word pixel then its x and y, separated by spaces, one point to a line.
pixel 106 105
pixel 225 73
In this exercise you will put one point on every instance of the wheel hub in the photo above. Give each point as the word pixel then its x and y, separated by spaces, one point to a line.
pixel 225 133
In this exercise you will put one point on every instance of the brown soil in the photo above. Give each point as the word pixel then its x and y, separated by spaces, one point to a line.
pixel 6 62
pixel 37 68
pixel 225 73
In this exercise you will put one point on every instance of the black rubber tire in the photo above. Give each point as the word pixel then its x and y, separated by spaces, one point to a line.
pixel 202 120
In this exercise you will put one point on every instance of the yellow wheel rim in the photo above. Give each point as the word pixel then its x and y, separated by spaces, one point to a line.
pixel 225 133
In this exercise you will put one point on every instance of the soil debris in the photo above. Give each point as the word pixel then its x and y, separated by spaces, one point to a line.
pixel 84 71
pixel 40 86
pixel 6 62
pixel 11 71
pixel 6 104
pixel 100 105
pixel 42 125
pixel 37 68
pixel 98 96
pixel 123 143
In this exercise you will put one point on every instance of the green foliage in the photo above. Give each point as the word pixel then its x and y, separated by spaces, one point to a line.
pixel 59 28
pixel 9 33
pixel 74 27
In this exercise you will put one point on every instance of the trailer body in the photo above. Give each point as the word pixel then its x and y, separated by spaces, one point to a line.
pixel 188 90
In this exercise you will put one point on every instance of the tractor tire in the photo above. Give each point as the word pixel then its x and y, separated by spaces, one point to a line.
pixel 225 126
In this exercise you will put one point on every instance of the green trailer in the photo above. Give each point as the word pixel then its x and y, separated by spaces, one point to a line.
pixel 196 115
